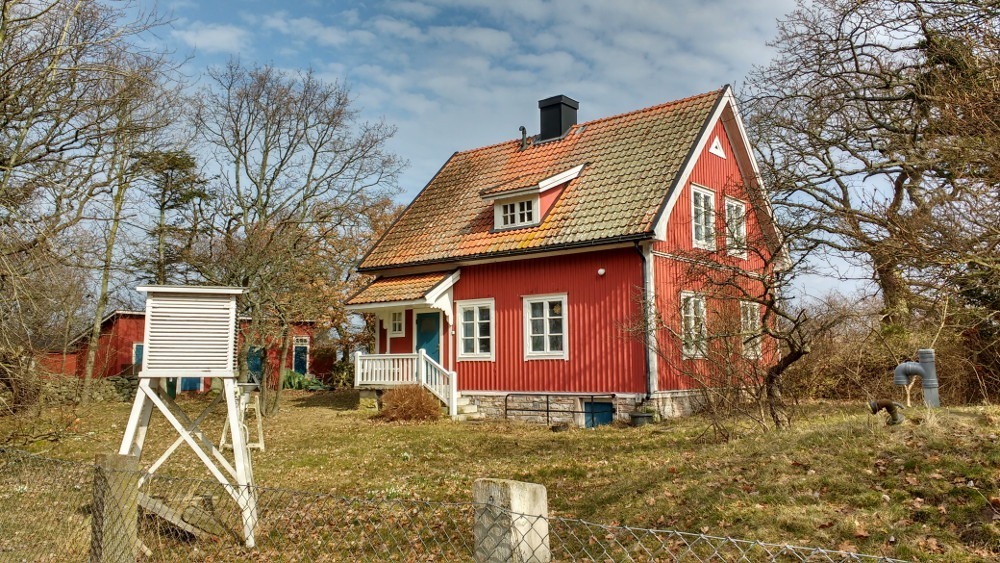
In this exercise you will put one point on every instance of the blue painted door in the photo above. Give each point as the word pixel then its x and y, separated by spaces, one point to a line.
pixel 137 350
pixel 429 334
pixel 300 359
pixel 255 364
pixel 597 414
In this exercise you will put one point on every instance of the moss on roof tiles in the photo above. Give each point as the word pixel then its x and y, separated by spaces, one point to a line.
pixel 632 159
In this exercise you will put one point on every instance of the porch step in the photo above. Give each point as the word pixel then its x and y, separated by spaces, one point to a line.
pixel 466 409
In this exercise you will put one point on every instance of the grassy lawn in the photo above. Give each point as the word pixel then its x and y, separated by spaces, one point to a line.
pixel 839 479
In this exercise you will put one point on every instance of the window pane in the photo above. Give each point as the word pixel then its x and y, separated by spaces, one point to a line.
pixel 468 346
pixel 484 313
pixel 484 345
pixel 537 310
pixel 555 326
pixel 484 329
pixel 555 343
pixel 537 326
pixel 467 330
pixel 555 308
pixel 467 315
pixel 537 343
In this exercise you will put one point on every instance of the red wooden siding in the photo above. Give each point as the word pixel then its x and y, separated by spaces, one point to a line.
pixel 403 344
pixel 722 176
pixel 677 272
pixel 602 357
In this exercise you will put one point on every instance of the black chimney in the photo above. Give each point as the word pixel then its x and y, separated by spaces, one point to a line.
pixel 557 114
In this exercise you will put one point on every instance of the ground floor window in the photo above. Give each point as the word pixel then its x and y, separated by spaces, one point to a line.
pixel 475 329
pixel 545 327
pixel 694 333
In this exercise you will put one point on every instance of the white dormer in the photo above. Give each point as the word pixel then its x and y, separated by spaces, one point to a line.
pixel 525 204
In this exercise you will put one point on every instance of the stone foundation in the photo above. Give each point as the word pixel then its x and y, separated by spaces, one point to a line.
pixel 672 404
pixel 531 408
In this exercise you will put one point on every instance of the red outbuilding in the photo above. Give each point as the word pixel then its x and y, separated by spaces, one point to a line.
pixel 120 348
pixel 518 282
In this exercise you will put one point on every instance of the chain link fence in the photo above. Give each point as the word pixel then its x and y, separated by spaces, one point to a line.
pixel 53 510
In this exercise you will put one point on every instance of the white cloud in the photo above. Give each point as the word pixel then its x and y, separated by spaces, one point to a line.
pixel 484 39
pixel 214 38
pixel 416 10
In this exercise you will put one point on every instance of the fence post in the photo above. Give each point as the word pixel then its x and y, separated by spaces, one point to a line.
pixel 115 533
pixel 511 522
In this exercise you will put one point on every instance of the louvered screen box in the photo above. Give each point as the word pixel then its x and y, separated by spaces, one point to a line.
pixel 190 331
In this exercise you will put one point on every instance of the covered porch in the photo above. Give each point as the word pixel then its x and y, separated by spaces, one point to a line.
pixel 413 316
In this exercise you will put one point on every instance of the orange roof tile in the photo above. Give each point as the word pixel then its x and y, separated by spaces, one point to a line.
pixel 400 288
pixel 632 162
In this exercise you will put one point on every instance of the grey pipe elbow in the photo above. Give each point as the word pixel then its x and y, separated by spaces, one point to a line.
pixel 905 371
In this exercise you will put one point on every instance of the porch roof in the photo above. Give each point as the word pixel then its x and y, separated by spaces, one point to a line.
pixel 399 289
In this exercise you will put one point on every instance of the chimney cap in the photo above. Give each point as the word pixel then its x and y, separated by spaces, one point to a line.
pixel 560 99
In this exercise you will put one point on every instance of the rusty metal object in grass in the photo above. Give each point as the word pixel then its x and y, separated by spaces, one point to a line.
pixel 892 408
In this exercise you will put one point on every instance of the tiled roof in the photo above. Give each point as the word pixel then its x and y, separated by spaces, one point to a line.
pixel 400 288
pixel 632 161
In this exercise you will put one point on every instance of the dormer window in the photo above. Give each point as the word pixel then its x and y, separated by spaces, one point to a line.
pixel 524 201
pixel 517 213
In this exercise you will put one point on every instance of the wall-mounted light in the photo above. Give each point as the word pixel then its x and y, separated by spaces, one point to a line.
pixel 601 271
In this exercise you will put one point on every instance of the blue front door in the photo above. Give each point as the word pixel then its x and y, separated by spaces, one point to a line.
pixel 429 334
pixel 255 364
pixel 300 359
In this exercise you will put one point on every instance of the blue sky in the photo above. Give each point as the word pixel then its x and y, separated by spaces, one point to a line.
pixel 457 74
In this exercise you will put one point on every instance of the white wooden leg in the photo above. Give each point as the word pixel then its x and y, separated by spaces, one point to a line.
pixel 138 422
pixel 241 461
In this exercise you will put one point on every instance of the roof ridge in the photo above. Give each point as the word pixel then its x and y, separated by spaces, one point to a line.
pixel 712 93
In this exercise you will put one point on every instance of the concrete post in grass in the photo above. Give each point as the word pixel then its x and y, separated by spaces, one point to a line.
pixel 115 528
pixel 511 522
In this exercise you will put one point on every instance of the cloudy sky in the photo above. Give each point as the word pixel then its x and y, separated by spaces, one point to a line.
pixel 457 74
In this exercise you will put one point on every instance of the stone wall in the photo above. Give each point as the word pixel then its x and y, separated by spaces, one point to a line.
pixel 64 390
pixel 531 408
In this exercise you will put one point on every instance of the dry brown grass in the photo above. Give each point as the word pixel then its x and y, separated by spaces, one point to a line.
pixel 409 403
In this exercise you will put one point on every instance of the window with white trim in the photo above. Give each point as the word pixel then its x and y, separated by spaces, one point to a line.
pixel 545 324
pixel 703 218
pixel 475 329
pixel 396 323
pixel 694 331
pixel 517 213
pixel 750 329
pixel 736 227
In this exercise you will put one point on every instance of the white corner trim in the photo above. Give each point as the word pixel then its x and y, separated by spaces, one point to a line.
pixel 560 178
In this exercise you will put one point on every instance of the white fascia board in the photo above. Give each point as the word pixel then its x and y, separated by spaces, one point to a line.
pixel 542 186
pixel 440 296
pixel 386 305
pixel 560 178
pixel 203 289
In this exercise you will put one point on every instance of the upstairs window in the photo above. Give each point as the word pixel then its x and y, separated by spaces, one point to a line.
pixel 694 332
pixel 475 320
pixel 750 329
pixel 736 227
pixel 703 218
pixel 517 213
pixel 545 327
pixel 396 324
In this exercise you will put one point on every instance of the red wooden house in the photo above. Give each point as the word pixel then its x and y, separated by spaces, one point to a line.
pixel 505 286
pixel 120 348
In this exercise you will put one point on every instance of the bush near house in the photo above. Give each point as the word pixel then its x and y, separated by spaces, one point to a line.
pixel 410 402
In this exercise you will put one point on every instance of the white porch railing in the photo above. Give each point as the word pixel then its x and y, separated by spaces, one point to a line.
pixel 394 370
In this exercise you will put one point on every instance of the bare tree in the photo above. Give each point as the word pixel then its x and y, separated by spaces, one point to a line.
pixel 296 168
pixel 68 70
pixel 851 121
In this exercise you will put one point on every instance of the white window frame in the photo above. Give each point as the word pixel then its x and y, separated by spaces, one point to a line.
pixel 736 232
pixel 694 336
pixel 750 329
pixel 475 305
pixel 517 215
pixel 393 329
pixel 707 241
pixel 546 354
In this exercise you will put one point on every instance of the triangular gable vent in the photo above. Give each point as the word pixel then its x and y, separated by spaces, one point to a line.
pixel 716 148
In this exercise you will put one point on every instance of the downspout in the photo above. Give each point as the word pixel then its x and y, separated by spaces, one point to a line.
pixel 648 297
pixel 926 368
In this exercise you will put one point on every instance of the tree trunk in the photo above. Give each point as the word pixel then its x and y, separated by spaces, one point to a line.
pixel 895 295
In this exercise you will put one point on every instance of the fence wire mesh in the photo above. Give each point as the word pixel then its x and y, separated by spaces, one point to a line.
pixel 53 510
